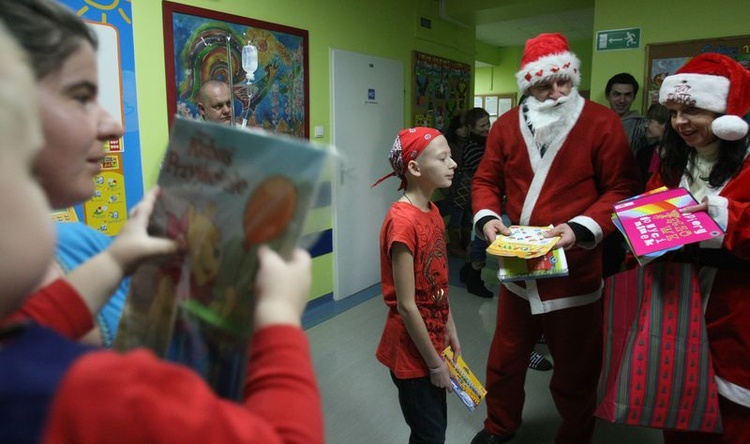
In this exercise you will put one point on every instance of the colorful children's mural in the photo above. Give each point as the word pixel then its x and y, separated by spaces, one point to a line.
pixel 198 43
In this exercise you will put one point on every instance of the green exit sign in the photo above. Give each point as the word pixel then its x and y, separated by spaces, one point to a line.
pixel 618 39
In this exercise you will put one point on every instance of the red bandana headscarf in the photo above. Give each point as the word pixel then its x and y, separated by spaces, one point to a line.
pixel 408 145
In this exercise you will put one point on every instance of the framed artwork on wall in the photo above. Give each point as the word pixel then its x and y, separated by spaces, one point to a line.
pixel 202 45
pixel 441 89
pixel 663 59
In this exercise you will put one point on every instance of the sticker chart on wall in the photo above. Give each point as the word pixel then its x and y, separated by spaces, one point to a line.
pixel 119 185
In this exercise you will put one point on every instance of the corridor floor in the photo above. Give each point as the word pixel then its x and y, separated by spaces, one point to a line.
pixel 360 401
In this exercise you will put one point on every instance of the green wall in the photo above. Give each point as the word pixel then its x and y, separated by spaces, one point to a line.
pixel 660 22
pixel 388 28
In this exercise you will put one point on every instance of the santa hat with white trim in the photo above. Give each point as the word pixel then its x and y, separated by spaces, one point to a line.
pixel 545 57
pixel 713 82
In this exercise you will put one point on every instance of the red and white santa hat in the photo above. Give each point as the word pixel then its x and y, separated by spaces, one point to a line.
pixel 713 82
pixel 545 57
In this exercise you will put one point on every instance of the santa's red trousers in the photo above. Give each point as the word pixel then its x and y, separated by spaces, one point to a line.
pixel 574 338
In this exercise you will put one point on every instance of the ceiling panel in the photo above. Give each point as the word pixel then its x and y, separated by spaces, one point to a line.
pixel 512 22
pixel 575 25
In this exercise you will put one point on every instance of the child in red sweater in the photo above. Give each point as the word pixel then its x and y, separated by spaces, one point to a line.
pixel 414 276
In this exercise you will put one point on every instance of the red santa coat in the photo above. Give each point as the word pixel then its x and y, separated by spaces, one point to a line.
pixel 584 171
pixel 727 286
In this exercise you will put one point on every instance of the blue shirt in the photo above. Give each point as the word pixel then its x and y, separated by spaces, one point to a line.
pixel 77 243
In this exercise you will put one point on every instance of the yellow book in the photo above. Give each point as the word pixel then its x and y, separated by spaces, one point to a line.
pixel 524 241
pixel 465 385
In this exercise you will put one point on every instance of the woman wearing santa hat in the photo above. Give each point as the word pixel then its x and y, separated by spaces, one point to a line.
pixel 706 152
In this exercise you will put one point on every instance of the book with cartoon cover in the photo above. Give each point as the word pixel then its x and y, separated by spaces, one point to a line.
pixel 524 242
pixel 653 224
pixel 463 382
pixel 554 263
pixel 224 192
pixel 527 254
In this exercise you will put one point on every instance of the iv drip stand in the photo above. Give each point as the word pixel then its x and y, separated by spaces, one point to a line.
pixel 231 76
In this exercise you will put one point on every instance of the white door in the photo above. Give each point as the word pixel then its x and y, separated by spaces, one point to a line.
pixel 368 112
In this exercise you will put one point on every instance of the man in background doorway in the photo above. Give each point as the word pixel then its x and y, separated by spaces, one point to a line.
pixel 215 102
pixel 620 91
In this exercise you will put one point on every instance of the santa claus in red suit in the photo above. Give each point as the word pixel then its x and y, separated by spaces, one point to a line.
pixel 705 150
pixel 558 160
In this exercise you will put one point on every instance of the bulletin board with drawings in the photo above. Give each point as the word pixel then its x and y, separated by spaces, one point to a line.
pixel 441 88
pixel 663 59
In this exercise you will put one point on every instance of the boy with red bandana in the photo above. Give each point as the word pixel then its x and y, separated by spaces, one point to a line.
pixel 414 276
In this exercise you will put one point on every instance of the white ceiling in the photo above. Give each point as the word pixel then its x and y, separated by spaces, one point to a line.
pixel 512 22
pixel 575 25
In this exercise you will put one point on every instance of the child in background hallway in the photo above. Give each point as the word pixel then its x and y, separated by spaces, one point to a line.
pixel 457 135
pixel 477 121
pixel 649 158
pixel 51 388
pixel 414 276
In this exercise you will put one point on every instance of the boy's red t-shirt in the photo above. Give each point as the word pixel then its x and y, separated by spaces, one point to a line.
pixel 423 234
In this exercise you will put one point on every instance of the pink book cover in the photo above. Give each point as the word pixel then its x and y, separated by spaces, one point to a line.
pixel 653 222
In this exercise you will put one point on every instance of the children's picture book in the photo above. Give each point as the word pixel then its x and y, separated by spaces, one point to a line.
pixel 553 264
pixel 465 385
pixel 524 242
pixel 653 224
pixel 224 191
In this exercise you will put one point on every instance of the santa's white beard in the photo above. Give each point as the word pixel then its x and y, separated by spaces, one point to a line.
pixel 549 117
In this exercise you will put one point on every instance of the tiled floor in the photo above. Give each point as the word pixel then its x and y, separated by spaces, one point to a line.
pixel 360 401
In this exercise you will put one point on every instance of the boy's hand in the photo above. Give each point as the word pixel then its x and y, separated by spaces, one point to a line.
pixel 134 244
pixel 452 337
pixel 283 288
pixel 441 377
pixel 453 342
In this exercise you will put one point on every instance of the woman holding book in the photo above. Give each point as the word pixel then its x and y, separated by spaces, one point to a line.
pixel 706 151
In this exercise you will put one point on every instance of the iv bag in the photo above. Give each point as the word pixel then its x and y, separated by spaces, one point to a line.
pixel 249 60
